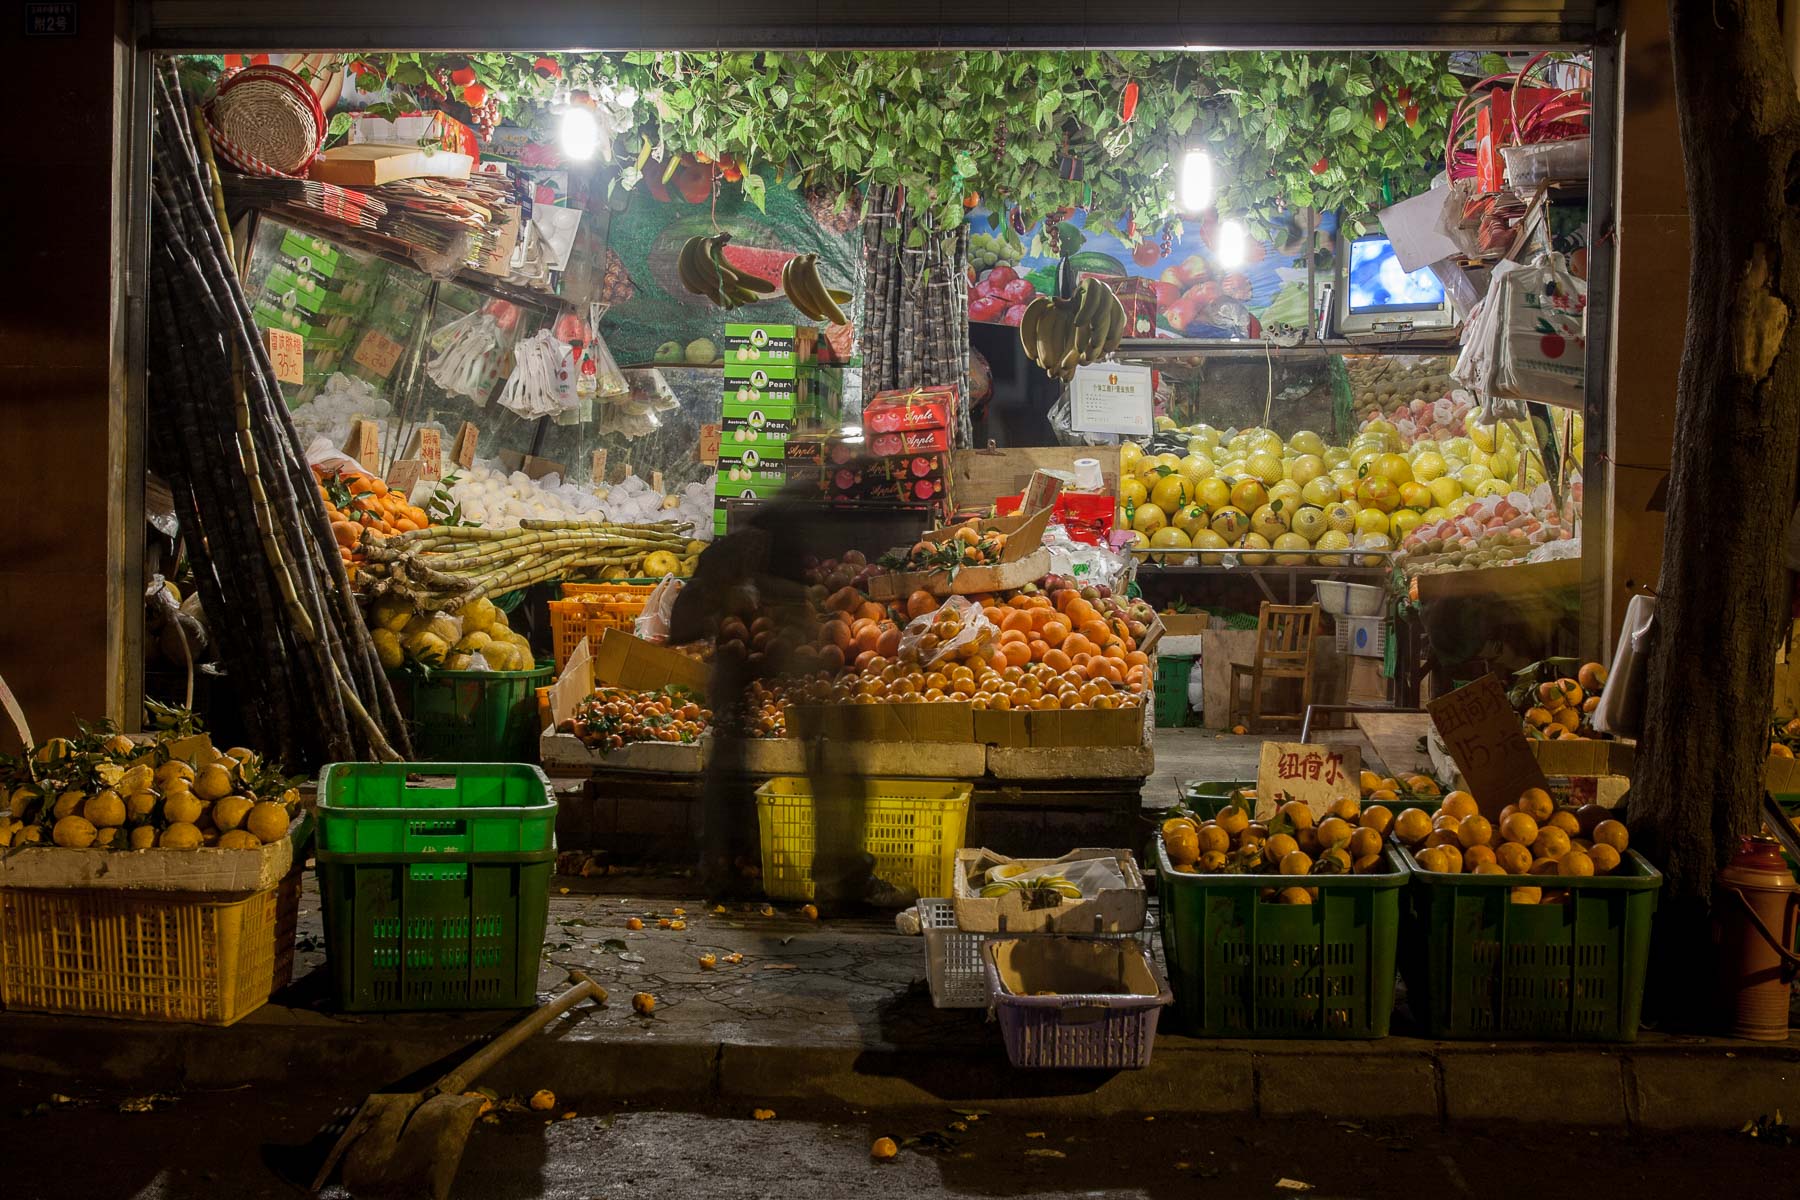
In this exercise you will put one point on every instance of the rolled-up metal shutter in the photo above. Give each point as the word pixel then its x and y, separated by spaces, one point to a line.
pixel 844 24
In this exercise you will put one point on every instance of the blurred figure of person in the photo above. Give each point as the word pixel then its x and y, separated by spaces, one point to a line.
pixel 758 575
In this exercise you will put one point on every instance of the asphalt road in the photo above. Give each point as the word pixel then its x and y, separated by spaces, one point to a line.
pixel 250 1144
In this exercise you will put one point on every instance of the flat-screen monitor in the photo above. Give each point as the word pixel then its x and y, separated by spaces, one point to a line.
pixel 1378 284
pixel 1375 297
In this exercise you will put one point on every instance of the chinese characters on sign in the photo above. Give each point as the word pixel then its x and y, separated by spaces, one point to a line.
pixel 1482 733
pixel 287 354
pixel 1319 776
pixel 50 20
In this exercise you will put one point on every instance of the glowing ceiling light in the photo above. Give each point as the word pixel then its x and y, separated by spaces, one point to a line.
pixel 1233 245
pixel 579 133
pixel 1195 189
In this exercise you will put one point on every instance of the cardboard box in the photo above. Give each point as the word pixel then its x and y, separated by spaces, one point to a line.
pixel 1112 910
pixel 910 441
pixel 630 662
pixel 1584 756
pixel 367 164
pixel 871 760
pixel 207 869
pixel 942 721
pixel 1782 775
pixel 1023 560
pixel 789 345
pixel 1049 730
pixel 752 448
pixel 763 384
pixel 661 758
pixel 911 408
pixel 738 482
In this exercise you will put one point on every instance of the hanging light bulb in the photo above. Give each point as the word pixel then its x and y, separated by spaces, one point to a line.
pixel 1233 246
pixel 1194 192
pixel 578 133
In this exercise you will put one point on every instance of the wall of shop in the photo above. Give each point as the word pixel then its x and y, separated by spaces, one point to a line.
pixel 58 371
pixel 1652 299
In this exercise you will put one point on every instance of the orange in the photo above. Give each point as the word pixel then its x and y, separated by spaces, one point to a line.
pixel 1459 805
pixel 1016 620
pixel 1476 857
pixel 1017 654
pixel 1513 858
pixel 1612 834
pixel 1056 660
pixel 1536 803
pixel 1605 858
pixel 1054 632
pixel 1520 828
pixel 1376 817
pixel 1474 831
pixel 1075 644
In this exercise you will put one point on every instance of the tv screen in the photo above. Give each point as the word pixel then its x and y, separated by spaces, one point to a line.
pixel 1378 284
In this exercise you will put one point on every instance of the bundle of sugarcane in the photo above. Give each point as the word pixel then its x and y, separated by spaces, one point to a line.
pixel 447 566
pixel 279 608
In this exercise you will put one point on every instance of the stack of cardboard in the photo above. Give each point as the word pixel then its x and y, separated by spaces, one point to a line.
pixel 777 401
pixel 904 456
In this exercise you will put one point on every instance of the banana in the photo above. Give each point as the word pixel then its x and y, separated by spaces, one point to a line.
pixel 1089 301
pixel 695 268
pixel 736 288
pixel 800 279
pixel 1029 322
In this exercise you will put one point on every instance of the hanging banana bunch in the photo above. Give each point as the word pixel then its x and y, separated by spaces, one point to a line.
pixel 808 293
pixel 705 272
pixel 1062 334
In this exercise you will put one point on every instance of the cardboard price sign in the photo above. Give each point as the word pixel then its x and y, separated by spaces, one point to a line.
pixel 287 354
pixel 379 353
pixel 711 437
pixel 1317 776
pixel 462 450
pixel 597 467
pixel 1482 733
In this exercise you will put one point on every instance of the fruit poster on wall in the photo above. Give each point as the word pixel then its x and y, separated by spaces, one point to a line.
pixel 1197 295
pixel 654 319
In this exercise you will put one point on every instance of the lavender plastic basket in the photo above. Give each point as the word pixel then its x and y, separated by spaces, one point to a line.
pixel 1091 1029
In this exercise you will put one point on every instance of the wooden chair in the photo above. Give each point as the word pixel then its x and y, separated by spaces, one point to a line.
pixel 1284 650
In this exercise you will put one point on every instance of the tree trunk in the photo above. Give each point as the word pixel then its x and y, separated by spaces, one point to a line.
pixel 1724 588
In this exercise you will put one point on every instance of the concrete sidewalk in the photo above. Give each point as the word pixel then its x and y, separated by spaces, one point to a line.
pixel 838 1011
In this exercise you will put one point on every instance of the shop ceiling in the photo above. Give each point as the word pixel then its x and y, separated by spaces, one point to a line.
pixel 276 25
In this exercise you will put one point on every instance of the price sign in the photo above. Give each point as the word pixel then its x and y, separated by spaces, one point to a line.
pixel 711 437
pixel 656 482
pixel 378 353
pixel 597 467
pixel 429 450
pixel 287 353
pixel 462 450
pixel 405 474
pixel 1483 735
pixel 1318 776
pixel 364 442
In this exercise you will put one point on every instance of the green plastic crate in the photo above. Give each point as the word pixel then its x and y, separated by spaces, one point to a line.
pixel 1479 966
pixel 481 716
pixel 1172 709
pixel 1241 966
pixel 435 889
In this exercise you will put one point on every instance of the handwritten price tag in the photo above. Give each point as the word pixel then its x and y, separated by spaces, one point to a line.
pixel 597 467
pixel 462 451
pixel 1482 733
pixel 711 437
pixel 378 353
pixel 1318 776
pixel 287 352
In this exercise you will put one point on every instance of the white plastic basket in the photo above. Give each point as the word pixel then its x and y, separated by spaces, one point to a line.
pixel 1363 636
pixel 1349 599
pixel 953 964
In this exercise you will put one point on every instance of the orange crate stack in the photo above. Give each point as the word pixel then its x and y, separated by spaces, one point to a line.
pixel 572 620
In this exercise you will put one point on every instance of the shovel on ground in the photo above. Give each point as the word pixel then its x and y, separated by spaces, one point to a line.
pixel 409 1144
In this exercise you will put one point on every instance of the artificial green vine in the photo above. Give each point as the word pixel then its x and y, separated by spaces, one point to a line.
pixel 1347 131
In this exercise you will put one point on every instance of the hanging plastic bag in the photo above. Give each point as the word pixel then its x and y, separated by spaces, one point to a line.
pixel 1541 349
pixel 543 378
pixel 957 630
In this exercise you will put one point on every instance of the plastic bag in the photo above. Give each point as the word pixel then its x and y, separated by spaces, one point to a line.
pixel 1087 563
pixel 543 378
pixel 1528 340
pixel 1090 875
pixel 958 629
pixel 654 622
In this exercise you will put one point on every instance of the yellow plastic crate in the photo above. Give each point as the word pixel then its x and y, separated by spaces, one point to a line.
pixel 572 620
pixel 912 827
pixel 147 956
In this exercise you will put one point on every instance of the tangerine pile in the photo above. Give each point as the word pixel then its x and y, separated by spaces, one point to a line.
pixel 357 503
pixel 1532 837
pixel 968 545
pixel 1564 708
pixel 1066 633
pixel 613 716
pixel 1348 839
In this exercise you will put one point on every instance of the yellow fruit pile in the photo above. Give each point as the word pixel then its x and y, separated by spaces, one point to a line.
pixel 1559 709
pixel 109 792
pixel 1286 500
pixel 1347 839
pixel 447 640
pixel 1532 837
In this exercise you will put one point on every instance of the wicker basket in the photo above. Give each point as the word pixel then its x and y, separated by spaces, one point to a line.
pixel 265 120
